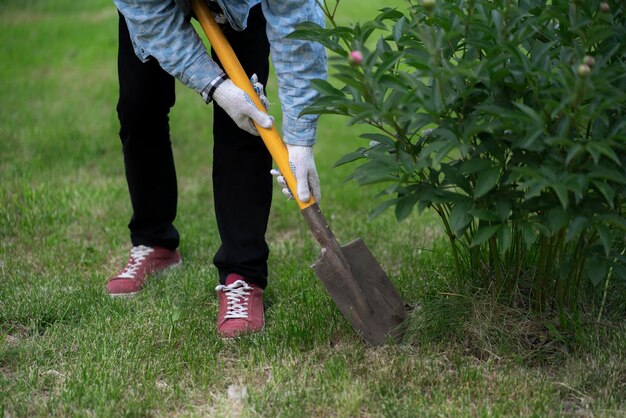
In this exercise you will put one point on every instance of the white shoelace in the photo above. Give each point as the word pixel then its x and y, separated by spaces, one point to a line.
pixel 237 295
pixel 137 255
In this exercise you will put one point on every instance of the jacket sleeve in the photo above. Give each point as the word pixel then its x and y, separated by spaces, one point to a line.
pixel 160 29
pixel 297 63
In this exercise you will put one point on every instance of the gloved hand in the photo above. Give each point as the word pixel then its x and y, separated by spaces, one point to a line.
pixel 239 106
pixel 303 168
pixel 260 91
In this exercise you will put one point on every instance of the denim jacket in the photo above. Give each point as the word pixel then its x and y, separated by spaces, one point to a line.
pixel 161 29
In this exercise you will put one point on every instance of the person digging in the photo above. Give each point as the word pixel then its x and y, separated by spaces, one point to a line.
pixel 158 44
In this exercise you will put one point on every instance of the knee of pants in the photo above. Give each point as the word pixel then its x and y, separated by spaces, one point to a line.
pixel 143 125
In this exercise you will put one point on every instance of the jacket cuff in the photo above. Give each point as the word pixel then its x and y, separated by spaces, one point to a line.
pixel 299 132
pixel 207 92
pixel 200 73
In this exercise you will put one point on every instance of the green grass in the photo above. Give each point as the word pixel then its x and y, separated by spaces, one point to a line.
pixel 68 349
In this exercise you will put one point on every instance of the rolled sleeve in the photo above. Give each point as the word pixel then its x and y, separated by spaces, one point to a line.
pixel 301 131
pixel 297 63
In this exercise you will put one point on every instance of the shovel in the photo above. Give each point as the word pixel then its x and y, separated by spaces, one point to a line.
pixel 352 277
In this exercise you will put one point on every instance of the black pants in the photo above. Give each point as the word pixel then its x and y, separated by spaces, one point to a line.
pixel 241 163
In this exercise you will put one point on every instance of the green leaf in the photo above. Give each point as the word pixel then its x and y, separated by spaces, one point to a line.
pixel 436 151
pixel 485 215
pixel 597 270
pixel 459 216
pixel 389 13
pixel 496 18
pixel 504 237
pixel 373 172
pixel 474 165
pixel 383 139
pixel 605 237
pixel 398 29
pixel 529 142
pixel 617 220
pixel 534 188
pixel 604 149
pixel 561 192
pixel 352 156
pixel 446 134
pixel 543 229
pixel 576 227
pixel 578 185
pixel 573 152
pixel 483 234
pixel 444 151
pixel 529 234
pixel 384 66
pixel 606 173
pixel 606 190
pixel 350 79
pixel 381 208
pixel 540 55
pixel 437 98
pixel 532 114
pixel 486 181
pixel 405 205
pixel 306 28
pixel 557 218
pixel 503 209
pixel 453 177
pixel 594 152
pixel 326 88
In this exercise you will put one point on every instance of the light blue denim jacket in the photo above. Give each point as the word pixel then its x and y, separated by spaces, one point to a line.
pixel 161 29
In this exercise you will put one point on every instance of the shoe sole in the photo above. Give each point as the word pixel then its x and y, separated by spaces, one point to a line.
pixel 243 335
pixel 124 295
pixel 130 295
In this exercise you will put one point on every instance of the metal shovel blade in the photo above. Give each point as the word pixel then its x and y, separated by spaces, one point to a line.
pixel 362 292
pixel 357 284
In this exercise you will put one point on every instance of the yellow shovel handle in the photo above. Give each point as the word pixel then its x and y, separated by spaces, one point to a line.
pixel 236 73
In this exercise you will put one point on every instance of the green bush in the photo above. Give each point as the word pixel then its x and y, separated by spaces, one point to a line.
pixel 508 119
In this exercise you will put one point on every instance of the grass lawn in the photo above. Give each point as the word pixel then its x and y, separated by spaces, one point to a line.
pixel 68 349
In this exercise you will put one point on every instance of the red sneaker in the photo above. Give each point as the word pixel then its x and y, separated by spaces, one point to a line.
pixel 144 261
pixel 241 307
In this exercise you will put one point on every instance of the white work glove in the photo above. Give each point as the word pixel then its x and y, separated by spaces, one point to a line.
pixel 239 106
pixel 303 167
pixel 260 91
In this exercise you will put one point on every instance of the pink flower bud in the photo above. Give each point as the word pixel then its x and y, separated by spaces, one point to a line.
pixel 355 57
pixel 589 60
pixel 604 7
pixel 583 70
